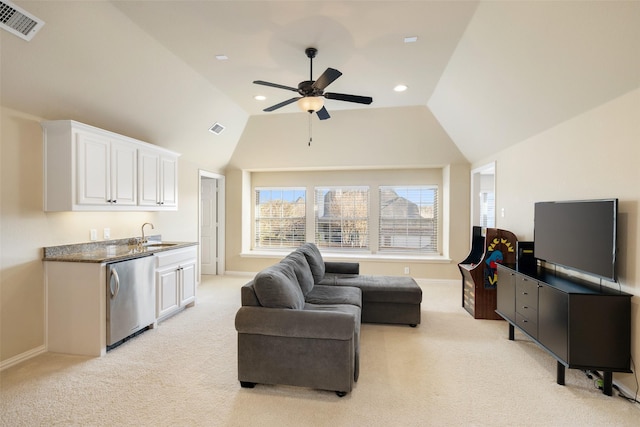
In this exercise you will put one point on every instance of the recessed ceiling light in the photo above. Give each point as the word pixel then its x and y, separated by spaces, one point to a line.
pixel 222 57
pixel 411 39
pixel 400 88
pixel 259 97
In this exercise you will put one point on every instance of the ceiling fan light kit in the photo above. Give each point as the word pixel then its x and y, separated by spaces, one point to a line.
pixel 310 103
pixel 312 91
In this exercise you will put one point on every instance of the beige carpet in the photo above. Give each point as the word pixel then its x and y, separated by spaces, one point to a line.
pixel 449 371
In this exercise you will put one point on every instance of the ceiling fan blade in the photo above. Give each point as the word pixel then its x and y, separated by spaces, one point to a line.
pixel 328 77
pixel 349 98
pixel 282 104
pixel 323 114
pixel 260 82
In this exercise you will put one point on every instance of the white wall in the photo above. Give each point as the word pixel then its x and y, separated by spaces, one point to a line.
pixel 25 229
pixel 594 155
pixel 373 139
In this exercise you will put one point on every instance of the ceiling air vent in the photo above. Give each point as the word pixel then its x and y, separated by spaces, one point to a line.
pixel 217 128
pixel 18 21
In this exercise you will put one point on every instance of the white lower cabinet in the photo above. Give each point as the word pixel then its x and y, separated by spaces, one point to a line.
pixel 175 280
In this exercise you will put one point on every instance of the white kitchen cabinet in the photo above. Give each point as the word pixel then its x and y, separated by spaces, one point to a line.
pixel 157 179
pixel 106 171
pixel 90 169
pixel 175 280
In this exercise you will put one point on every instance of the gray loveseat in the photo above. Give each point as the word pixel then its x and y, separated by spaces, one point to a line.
pixel 299 323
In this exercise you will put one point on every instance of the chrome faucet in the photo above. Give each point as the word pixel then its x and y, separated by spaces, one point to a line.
pixel 144 240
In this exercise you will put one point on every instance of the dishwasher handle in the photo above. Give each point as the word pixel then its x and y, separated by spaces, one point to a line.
pixel 114 273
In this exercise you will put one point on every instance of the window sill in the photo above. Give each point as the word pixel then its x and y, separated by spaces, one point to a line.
pixel 355 256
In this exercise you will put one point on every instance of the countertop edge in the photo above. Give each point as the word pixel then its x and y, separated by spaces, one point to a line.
pixel 102 255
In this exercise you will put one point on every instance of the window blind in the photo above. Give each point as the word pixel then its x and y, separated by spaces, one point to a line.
pixel 280 217
pixel 342 217
pixel 408 219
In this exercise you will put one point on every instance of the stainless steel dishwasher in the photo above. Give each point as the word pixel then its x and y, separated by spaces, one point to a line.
pixel 131 298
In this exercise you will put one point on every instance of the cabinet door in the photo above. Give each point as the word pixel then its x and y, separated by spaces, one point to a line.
pixel 168 182
pixel 148 176
pixel 167 292
pixel 553 320
pixel 123 174
pixel 188 291
pixel 527 304
pixel 506 298
pixel 93 154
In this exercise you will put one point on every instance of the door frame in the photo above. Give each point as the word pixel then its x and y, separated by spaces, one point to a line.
pixel 220 206
pixel 488 169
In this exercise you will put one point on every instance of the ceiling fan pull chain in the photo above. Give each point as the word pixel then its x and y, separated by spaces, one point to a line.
pixel 310 129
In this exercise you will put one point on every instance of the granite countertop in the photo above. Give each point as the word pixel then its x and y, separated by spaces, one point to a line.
pixel 110 250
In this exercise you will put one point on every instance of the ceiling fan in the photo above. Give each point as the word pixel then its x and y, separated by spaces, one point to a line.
pixel 312 91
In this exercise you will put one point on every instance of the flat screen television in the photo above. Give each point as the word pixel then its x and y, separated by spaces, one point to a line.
pixel 580 235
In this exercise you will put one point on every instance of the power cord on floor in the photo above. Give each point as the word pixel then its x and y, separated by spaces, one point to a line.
pixel 633 399
pixel 598 383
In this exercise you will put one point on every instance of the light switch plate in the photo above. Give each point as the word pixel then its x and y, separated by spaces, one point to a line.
pixel 107 233
pixel 93 233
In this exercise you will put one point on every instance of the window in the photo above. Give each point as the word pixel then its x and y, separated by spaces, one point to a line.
pixel 280 217
pixel 342 217
pixel 487 209
pixel 408 219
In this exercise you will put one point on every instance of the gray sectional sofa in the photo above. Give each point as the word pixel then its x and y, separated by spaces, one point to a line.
pixel 299 323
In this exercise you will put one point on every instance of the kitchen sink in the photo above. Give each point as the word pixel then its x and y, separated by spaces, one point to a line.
pixel 158 245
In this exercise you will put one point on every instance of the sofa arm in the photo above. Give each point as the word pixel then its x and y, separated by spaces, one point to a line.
pixel 295 323
pixel 342 267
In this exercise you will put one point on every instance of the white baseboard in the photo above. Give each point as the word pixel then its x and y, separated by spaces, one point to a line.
pixel 451 282
pixel 22 357
pixel 239 273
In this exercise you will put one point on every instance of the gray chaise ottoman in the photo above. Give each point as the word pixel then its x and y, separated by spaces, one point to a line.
pixel 385 299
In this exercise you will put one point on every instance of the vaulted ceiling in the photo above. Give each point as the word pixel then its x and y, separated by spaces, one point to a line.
pixel 493 73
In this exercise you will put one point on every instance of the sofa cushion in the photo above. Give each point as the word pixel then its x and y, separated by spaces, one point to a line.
pixel 387 289
pixel 324 294
pixel 277 287
pixel 298 261
pixel 314 258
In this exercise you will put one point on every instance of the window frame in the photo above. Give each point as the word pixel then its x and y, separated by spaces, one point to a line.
pixel 428 226
pixel 319 192
pixel 299 233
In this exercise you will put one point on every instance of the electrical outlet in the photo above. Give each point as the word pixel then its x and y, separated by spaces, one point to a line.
pixel 406 270
pixel 93 233
pixel 107 233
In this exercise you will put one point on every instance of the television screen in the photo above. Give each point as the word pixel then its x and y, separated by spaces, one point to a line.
pixel 578 234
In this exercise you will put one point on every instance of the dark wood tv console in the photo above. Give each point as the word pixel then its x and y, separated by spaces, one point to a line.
pixel 583 326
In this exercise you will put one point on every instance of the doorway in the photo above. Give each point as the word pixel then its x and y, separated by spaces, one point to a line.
pixel 483 196
pixel 211 223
